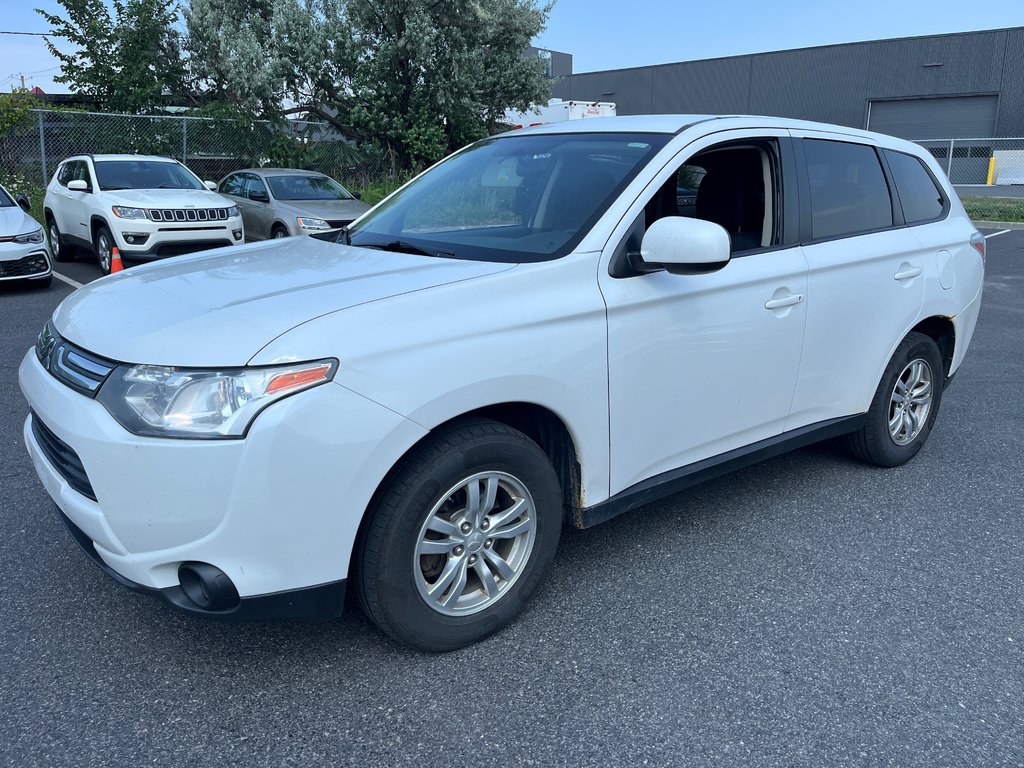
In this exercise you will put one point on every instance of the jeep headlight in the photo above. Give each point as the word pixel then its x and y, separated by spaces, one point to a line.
pixel 125 212
pixel 162 401
pixel 30 237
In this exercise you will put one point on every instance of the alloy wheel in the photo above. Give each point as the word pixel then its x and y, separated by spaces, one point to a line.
pixel 911 401
pixel 475 543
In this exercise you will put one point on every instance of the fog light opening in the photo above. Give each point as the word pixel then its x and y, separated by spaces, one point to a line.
pixel 207 586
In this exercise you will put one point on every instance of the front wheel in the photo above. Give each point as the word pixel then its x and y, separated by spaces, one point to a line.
pixel 104 249
pixel 905 405
pixel 460 537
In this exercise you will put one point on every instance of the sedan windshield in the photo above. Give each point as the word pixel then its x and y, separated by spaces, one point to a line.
pixel 510 199
pixel 303 187
pixel 144 174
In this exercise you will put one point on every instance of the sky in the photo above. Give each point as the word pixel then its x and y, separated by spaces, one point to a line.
pixel 609 34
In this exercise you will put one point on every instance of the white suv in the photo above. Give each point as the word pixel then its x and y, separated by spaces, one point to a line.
pixel 148 207
pixel 532 332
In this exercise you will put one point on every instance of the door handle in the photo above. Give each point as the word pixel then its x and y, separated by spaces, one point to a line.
pixel 785 301
pixel 906 272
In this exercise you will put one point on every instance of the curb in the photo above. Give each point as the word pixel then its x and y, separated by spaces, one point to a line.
pixel 981 224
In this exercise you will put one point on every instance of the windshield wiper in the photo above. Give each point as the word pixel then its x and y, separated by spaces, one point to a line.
pixel 404 246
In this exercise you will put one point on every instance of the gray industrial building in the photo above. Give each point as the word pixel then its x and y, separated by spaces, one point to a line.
pixel 965 85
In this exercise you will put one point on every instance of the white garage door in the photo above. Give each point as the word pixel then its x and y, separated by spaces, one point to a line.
pixel 966 117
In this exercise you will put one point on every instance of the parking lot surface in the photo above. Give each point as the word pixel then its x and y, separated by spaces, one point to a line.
pixel 807 611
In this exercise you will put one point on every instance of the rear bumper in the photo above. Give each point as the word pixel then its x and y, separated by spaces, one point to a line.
pixel 318 603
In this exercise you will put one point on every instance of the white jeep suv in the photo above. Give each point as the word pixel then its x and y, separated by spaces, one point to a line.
pixel 532 332
pixel 148 207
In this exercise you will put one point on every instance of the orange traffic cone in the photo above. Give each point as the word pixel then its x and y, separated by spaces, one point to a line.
pixel 115 260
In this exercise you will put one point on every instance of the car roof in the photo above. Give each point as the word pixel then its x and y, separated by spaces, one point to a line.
pixel 105 158
pixel 291 171
pixel 677 123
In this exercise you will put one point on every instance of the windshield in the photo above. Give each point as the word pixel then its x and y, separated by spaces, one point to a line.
pixel 145 174
pixel 302 187
pixel 5 199
pixel 511 199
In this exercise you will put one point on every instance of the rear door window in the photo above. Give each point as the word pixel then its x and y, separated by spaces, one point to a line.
pixel 920 197
pixel 848 191
pixel 232 185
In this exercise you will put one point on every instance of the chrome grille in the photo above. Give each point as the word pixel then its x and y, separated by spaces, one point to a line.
pixel 187 214
pixel 72 366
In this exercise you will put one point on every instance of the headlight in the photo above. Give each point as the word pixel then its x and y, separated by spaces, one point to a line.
pixel 30 237
pixel 233 212
pixel 305 222
pixel 123 212
pixel 160 401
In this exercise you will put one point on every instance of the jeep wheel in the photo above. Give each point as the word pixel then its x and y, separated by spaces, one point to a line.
pixel 104 245
pixel 460 537
pixel 61 252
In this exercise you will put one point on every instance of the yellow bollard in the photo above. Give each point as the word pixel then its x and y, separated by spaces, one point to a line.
pixel 991 170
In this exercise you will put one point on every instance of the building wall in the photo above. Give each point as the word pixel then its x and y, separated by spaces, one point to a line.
pixel 831 84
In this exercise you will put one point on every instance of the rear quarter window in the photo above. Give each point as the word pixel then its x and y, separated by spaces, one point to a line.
pixel 921 198
pixel 848 189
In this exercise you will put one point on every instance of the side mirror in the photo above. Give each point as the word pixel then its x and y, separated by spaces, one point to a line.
pixel 210 185
pixel 685 246
pixel 357 195
pixel 78 186
pixel 259 197
pixel 24 203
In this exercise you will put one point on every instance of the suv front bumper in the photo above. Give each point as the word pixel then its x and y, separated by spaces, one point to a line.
pixel 276 512
pixel 144 240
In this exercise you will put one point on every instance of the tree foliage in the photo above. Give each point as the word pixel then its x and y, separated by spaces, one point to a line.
pixel 124 61
pixel 422 77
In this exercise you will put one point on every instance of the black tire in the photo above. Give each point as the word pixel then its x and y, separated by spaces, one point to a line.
pixel 103 242
pixel 873 443
pixel 61 251
pixel 385 562
pixel 278 232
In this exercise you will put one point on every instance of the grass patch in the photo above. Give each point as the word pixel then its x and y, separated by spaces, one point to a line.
pixel 994 208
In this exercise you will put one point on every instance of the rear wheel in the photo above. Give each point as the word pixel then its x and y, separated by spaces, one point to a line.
pixel 460 537
pixel 104 244
pixel 905 405
pixel 61 252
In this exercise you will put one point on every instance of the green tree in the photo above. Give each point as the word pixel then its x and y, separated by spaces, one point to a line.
pixel 421 77
pixel 126 61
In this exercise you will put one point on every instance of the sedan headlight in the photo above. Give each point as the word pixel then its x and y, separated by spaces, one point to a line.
pixel 161 401
pixel 124 212
pixel 306 222
pixel 30 237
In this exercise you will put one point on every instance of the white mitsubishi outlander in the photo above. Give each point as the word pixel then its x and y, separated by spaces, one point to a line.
pixel 536 330
pixel 147 207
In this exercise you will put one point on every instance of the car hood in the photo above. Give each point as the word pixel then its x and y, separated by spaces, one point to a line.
pixel 14 221
pixel 346 210
pixel 168 198
pixel 220 307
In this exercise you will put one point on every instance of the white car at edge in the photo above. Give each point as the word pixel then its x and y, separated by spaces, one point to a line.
pixel 528 333
pixel 148 207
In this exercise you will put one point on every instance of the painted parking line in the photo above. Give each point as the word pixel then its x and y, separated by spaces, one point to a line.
pixel 997 234
pixel 68 280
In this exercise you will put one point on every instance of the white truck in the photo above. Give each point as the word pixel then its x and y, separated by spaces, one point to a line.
pixel 558 110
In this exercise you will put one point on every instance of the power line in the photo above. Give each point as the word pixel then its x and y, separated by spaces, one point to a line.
pixel 28 34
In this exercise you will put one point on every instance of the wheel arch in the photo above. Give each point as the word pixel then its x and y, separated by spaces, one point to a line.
pixel 95 222
pixel 539 423
pixel 942 331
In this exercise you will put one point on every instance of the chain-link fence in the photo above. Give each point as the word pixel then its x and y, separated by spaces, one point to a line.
pixel 210 147
pixel 988 173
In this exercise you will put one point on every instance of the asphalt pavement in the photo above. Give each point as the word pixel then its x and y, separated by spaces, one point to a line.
pixel 809 611
pixel 1003 190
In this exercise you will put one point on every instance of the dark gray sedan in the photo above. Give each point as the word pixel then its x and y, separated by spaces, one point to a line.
pixel 281 202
